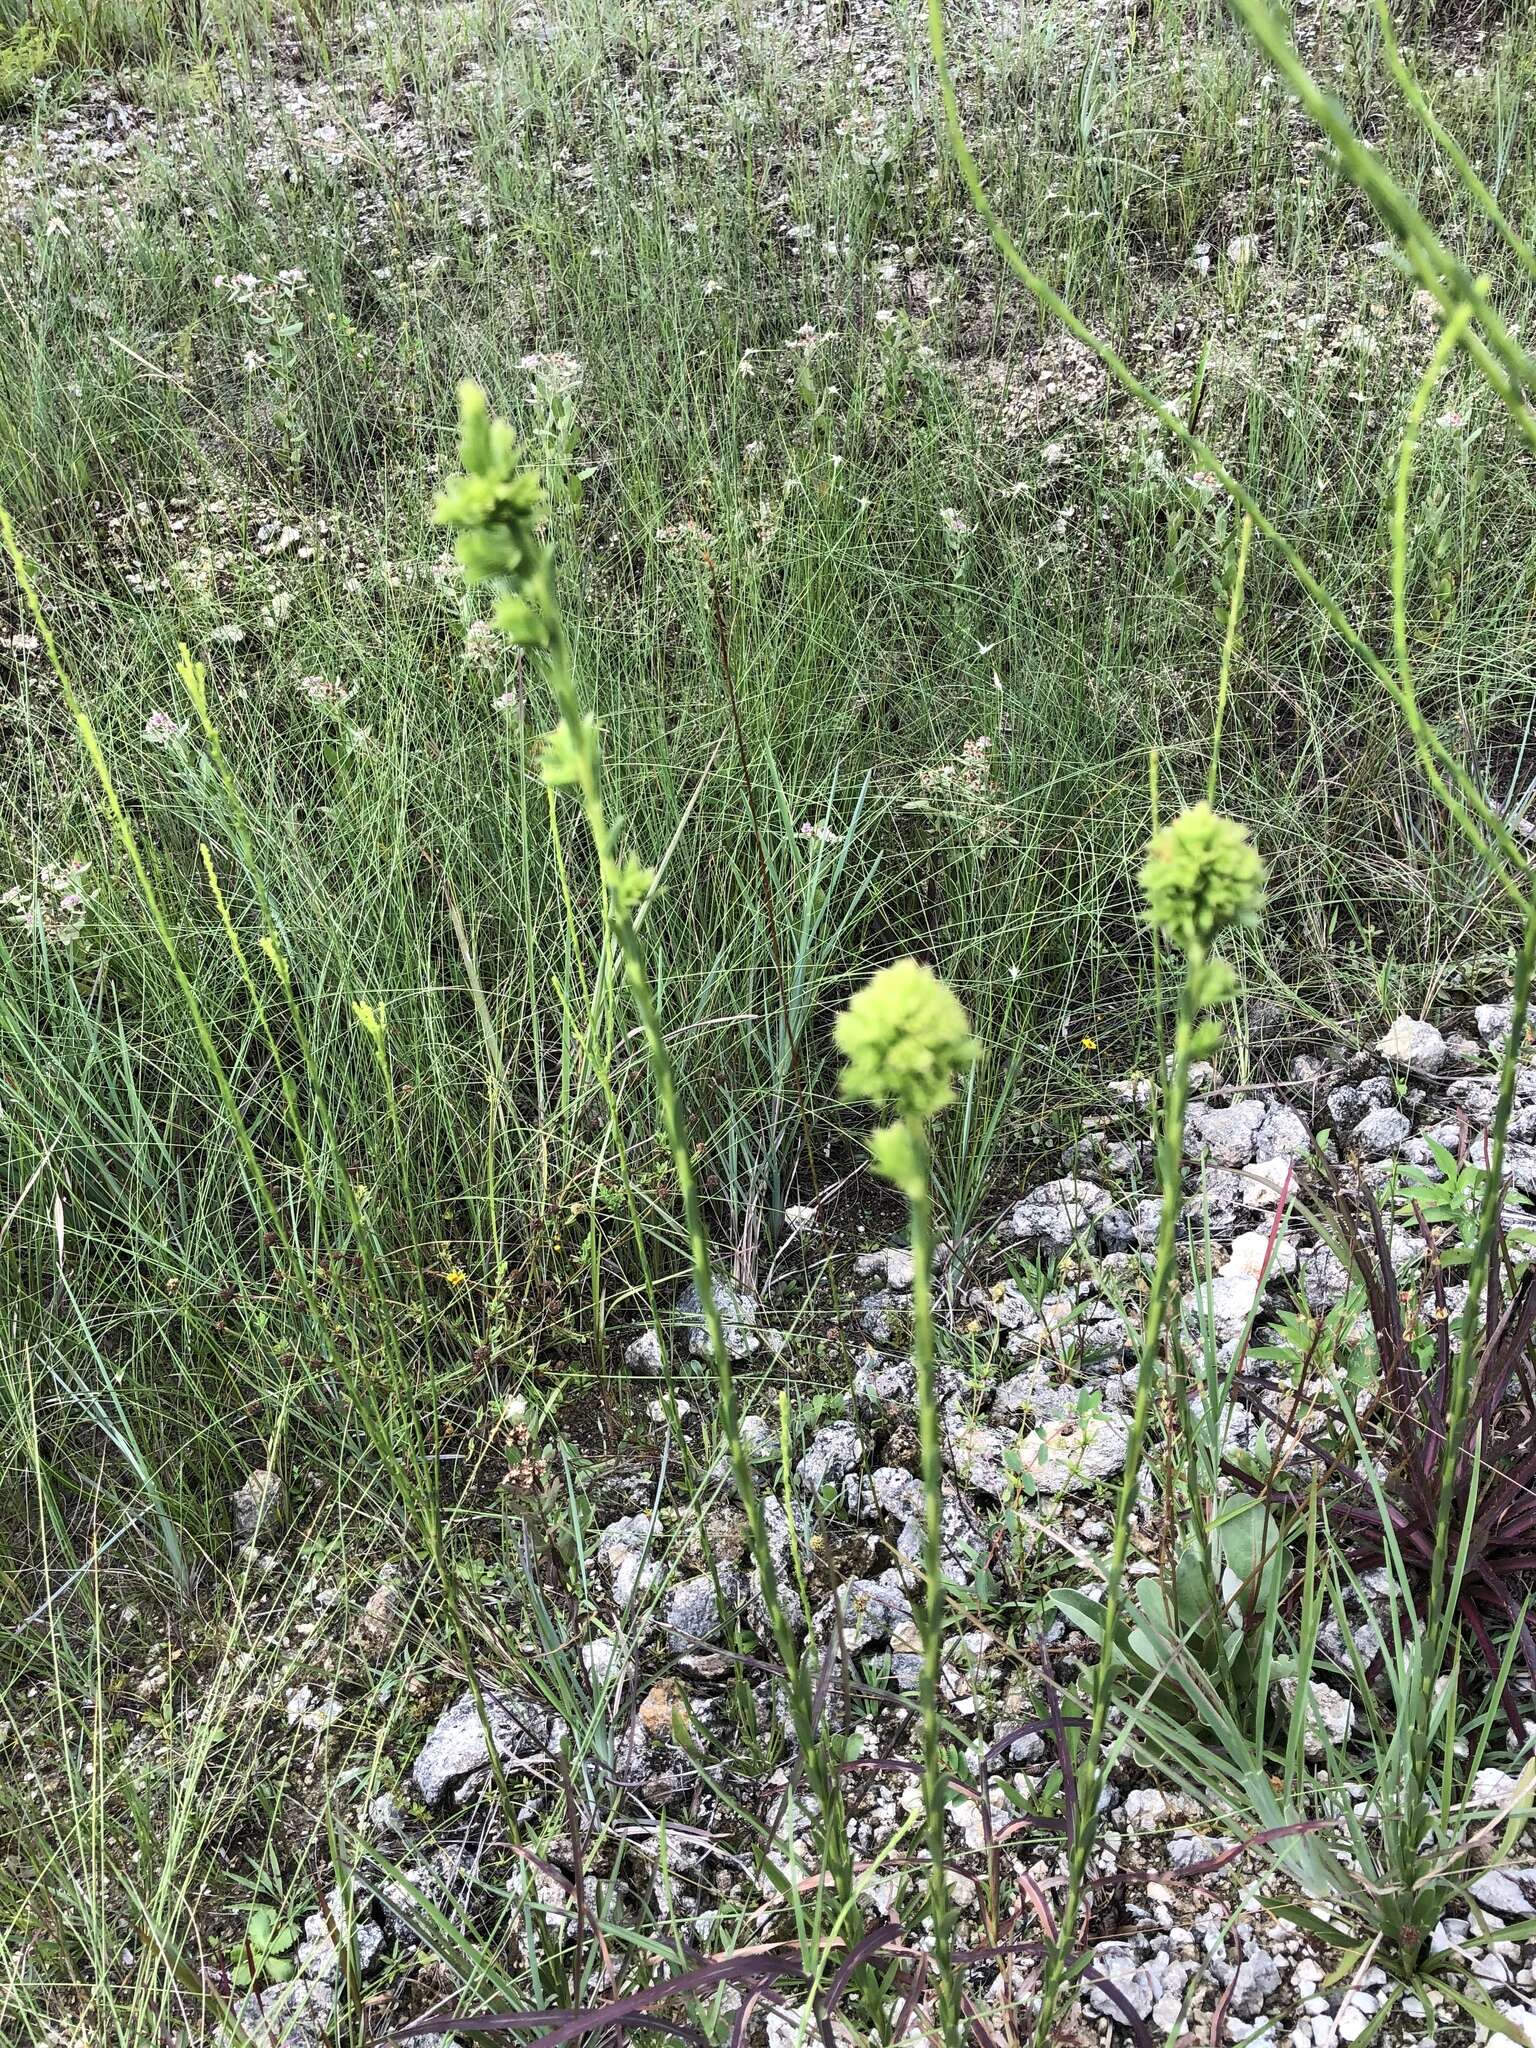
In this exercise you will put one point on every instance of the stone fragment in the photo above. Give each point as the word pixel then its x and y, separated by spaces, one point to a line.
pixel 292 2015
pixel 870 1611
pixel 1185 1852
pixel 260 1506
pixel 1053 1217
pixel 625 1550
pixel 1379 1133
pixel 832 1453
pixel 1074 1452
pixel 456 1751
pixel 961 1538
pixel 602 1659
pixel 1227 1137
pixel 1509 1893
pixel 1146 1809
pixel 383 1611
pixel 1493 1021
pixel 882 1384
pixel 1324 1277
pixel 977 1456
pixel 1282 1135
pixel 1329 1714
pixel 1029 1394
pixel 698 1616
pixel 1346 1106
pixel 665 1698
pixel 1098 1152
pixel 644 1354
pixel 1212 1210
pixel 894 1266
pixel 1253 1252
pixel 884 1317
pixel 1497 1791
pixel 897 1493
pixel 738 1314
pixel 1115 1981
pixel 361 1940
pixel 1414 1042
pixel 761 1438
pixel 1268 1183
pixel 1258 1978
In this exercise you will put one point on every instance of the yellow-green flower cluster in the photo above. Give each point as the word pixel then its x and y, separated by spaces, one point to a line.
pixel 1202 876
pixel 568 755
pixel 497 510
pixel 906 1039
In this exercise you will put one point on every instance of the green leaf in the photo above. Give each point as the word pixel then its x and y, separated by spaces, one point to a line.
pixel 1313 1924
pixel 1485 2014
pixel 1083 1613
pixel 1191 1595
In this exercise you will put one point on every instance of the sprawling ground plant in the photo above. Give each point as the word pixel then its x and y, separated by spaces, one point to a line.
pixel 1482 1483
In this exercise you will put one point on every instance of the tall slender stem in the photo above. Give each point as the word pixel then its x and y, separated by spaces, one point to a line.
pixel 1091 1776
pixel 935 1776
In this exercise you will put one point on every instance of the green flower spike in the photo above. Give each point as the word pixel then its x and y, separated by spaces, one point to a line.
pixel 496 508
pixel 1201 877
pixel 568 756
pixel 906 1039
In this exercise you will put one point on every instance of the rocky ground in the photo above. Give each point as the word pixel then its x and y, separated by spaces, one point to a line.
pixel 241 233
pixel 1041 1330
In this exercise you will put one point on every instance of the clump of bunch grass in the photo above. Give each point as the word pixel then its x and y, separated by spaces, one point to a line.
pixel 26 51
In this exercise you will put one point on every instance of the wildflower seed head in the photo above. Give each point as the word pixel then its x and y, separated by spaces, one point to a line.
pixel 1202 876
pixel 496 508
pixel 905 1038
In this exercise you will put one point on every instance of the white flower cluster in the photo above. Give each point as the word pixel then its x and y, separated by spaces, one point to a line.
pixel 55 907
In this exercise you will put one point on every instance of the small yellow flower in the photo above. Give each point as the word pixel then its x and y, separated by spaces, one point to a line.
pixel 455 1276
pixel 1090 1045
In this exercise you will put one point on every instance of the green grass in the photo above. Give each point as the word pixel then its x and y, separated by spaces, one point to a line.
pixel 846 506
